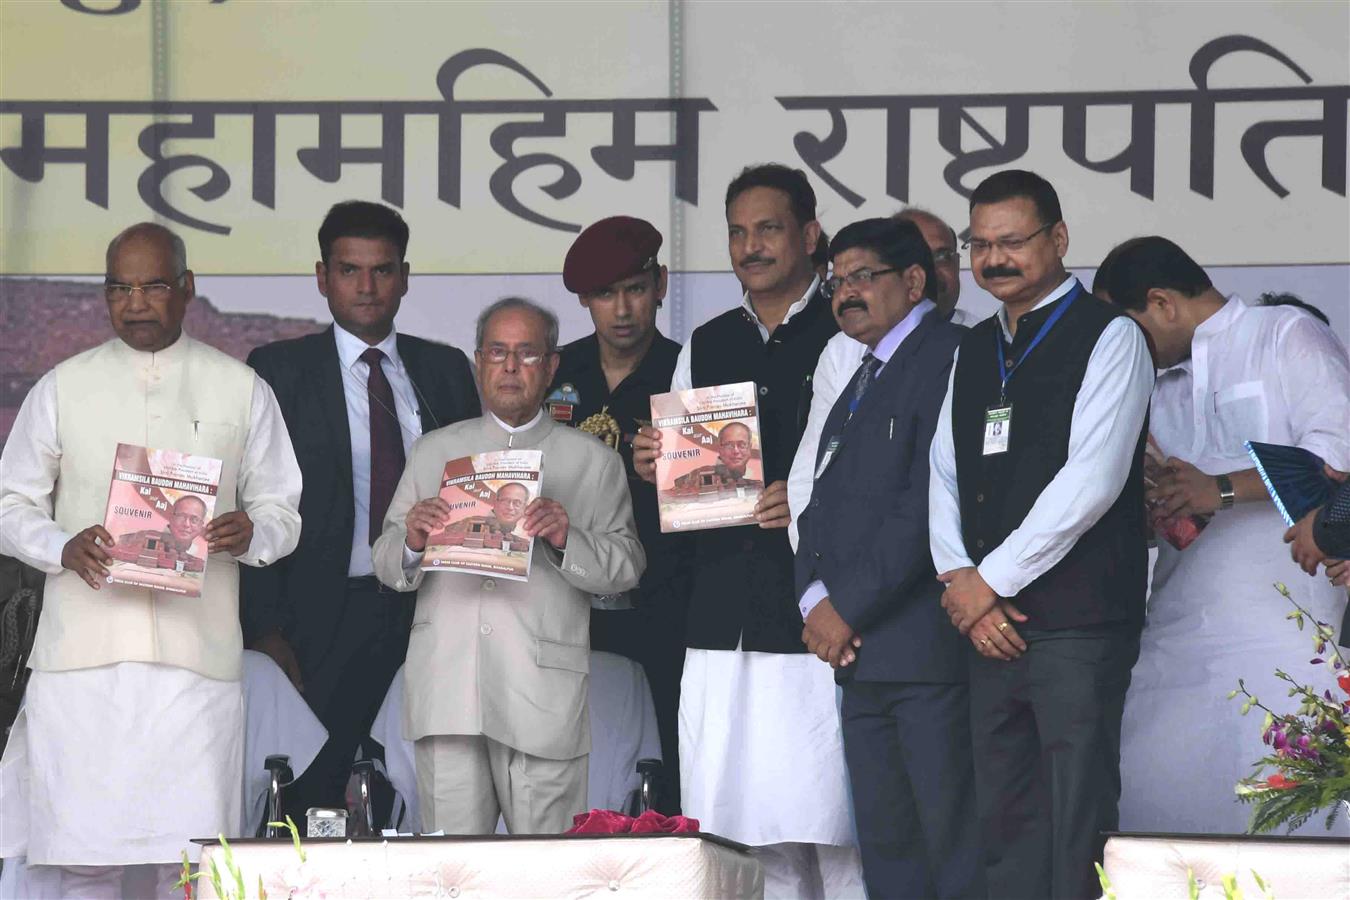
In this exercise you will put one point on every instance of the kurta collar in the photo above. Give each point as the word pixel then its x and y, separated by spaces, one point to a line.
pixel 517 437
pixel 1223 319
pixel 1064 287
pixel 170 355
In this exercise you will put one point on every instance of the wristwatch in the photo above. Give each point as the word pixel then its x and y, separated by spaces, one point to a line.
pixel 1226 493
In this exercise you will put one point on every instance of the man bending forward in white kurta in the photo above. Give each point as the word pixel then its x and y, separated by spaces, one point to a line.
pixel 135 723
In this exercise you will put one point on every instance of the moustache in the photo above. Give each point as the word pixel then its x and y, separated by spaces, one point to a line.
pixel 754 259
pixel 850 304
pixel 1000 272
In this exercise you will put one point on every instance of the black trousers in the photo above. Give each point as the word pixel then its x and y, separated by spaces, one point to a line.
pixel 657 645
pixel 345 683
pixel 909 766
pixel 1046 733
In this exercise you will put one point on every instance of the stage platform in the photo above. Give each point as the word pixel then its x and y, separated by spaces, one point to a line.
pixel 641 865
pixel 1154 866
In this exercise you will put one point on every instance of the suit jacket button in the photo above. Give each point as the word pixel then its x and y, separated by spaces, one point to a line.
pixel 816 555
pixel 763 390
pixel 485 629
pixel 815 501
pixel 979 498
pixel 489 584
pixel 980 543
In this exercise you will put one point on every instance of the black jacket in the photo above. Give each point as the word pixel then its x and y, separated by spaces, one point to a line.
pixel 298 594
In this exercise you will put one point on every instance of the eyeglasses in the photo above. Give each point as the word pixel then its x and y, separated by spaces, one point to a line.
pixel 946 255
pixel 1007 245
pixel 155 290
pixel 856 278
pixel 499 355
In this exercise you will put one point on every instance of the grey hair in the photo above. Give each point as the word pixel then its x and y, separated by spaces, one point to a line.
pixel 176 245
pixel 550 320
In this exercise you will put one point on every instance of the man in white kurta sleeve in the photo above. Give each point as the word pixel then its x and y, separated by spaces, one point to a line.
pixel 842 354
pixel 1232 373
pixel 134 710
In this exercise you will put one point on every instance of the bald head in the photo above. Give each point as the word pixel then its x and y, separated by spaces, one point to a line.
pixel 154 233
pixel 941 239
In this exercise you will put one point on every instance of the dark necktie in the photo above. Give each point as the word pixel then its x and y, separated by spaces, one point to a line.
pixel 386 442
pixel 862 380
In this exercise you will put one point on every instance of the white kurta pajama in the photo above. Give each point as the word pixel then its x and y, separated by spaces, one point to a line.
pixel 762 750
pixel 134 731
pixel 1275 375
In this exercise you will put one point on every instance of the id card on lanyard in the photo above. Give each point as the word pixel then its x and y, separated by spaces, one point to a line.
pixel 998 418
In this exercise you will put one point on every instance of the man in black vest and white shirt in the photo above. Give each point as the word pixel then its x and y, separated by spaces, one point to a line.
pixel 1036 508
pixel 761 753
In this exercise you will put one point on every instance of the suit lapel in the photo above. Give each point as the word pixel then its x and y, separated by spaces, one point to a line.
pixel 333 400
pixel 421 379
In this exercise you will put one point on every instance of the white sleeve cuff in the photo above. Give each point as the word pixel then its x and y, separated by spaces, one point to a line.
pixel 814 593
pixel 412 560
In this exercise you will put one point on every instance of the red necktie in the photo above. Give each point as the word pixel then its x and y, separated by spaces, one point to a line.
pixel 386 441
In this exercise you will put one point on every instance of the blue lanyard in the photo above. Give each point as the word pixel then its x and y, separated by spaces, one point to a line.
pixel 1005 372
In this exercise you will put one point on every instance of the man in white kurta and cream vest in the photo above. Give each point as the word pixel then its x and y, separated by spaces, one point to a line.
pixel 134 715
pixel 496 675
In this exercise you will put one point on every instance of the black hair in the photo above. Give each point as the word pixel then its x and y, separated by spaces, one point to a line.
pixel 898 243
pixel 1277 298
pixel 362 219
pixel 782 178
pixel 1141 264
pixel 1013 183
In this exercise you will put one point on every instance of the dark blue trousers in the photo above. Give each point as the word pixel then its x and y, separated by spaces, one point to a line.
pixel 909 763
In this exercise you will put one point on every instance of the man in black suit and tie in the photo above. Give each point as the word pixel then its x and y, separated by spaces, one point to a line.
pixel 869 595
pixel 355 397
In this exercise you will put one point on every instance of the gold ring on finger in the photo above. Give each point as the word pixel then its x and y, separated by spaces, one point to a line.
pixel 984 642
pixel 1003 626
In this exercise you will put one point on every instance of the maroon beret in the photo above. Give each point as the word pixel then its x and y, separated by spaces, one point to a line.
pixel 608 250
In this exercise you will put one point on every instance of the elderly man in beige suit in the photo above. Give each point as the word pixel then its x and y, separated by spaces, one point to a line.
pixel 496 673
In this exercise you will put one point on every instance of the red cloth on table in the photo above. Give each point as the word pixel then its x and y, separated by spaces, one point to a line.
pixel 607 821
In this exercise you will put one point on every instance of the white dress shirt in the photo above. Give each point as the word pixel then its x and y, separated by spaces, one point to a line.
pixel 1108 415
pixel 684 365
pixel 885 349
pixel 32 457
pixel 355 375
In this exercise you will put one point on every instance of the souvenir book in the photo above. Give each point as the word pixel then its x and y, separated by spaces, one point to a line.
pixel 159 504
pixel 711 470
pixel 487 494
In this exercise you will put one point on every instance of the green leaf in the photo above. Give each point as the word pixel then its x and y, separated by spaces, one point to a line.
pixel 1108 892
pixel 1192 889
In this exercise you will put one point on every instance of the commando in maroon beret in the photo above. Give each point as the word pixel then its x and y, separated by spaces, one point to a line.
pixel 608 250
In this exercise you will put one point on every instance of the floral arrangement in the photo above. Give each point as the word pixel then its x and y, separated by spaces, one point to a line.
pixel 1310 749
pixel 296 881
pixel 1231 891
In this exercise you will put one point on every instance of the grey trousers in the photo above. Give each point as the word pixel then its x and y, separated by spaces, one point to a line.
pixel 1045 729
pixel 465 781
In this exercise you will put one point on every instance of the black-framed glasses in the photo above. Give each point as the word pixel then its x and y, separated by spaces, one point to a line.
pixel 499 355
pixel 155 290
pixel 857 278
pixel 1007 245
pixel 946 255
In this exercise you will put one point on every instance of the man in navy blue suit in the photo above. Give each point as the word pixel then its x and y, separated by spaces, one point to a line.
pixel 869 595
